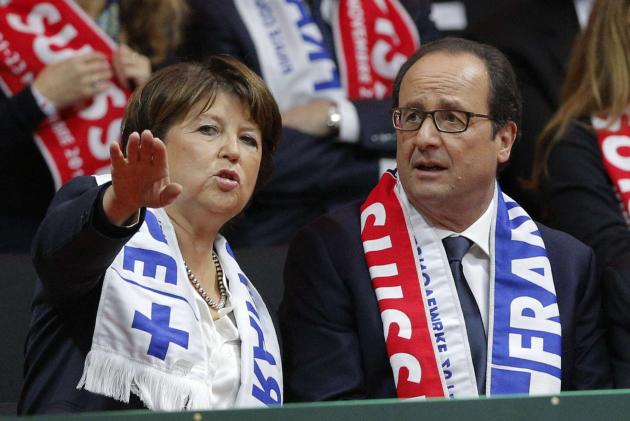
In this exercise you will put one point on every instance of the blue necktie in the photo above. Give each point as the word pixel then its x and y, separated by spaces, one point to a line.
pixel 456 247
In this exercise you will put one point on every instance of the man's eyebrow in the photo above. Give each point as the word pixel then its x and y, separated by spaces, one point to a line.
pixel 415 104
pixel 442 104
pixel 450 104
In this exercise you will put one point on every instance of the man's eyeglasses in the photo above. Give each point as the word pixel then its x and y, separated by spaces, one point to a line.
pixel 446 121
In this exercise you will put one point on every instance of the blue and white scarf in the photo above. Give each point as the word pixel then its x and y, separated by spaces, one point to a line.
pixel 148 339
pixel 296 64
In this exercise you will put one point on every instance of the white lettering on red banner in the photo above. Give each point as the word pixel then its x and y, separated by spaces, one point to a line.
pixel 396 283
pixel 376 38
pixel 614 142
pixel 34 34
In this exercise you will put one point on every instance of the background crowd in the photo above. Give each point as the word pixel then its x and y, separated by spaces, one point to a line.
pixel 572 67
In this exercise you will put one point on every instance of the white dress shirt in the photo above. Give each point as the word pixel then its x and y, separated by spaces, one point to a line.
pixel 476 262
pixel 223 347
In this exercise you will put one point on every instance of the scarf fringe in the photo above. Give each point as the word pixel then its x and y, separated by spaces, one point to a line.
pixel 107 374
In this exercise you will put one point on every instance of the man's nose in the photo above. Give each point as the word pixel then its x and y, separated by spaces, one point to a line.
pixel 427 134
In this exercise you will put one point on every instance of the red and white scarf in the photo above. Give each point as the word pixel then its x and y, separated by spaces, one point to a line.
pixel 613 138
pixel 34 34
pixel 372 38
pixel 391 256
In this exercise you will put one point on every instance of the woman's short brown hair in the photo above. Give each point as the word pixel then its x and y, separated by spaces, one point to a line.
pixel 169 95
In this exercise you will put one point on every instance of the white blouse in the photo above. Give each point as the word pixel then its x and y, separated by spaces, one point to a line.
pixel 223 346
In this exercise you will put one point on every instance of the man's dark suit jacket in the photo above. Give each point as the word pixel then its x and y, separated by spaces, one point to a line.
pixel 333 334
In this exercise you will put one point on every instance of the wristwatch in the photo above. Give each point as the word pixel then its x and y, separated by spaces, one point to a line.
pixel 334 119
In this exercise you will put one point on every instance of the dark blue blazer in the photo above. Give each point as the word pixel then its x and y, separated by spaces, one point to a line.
pixel 333 334
pixel 71 250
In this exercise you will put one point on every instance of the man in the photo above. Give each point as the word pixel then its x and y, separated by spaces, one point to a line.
pixel 523 316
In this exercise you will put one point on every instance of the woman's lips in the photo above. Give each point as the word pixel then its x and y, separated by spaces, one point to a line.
pixel 227 179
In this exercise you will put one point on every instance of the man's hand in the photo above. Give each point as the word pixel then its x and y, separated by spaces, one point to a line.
pixel 132 69
pixel 140 180
pixel 74 79
pixel 310 118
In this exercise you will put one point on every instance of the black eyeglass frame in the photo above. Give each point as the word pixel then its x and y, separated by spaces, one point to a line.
pixel 424 114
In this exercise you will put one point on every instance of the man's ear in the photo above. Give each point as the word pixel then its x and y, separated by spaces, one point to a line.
pixel 505 138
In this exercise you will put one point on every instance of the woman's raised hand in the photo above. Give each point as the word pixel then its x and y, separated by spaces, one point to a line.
pixel 139 180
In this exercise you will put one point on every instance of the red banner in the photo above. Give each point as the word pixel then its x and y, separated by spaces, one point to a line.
pixel 376 37
pixel 614 142
pixel 36 33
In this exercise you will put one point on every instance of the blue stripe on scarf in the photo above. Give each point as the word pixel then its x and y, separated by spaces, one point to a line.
pixel 510 287
pixel 157 291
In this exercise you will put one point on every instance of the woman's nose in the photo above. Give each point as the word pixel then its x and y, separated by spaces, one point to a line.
pixel 230 149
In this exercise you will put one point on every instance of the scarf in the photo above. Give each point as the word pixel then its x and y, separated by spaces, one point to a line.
pixel 372 38
pixel 613 137
pixel 425 333
pixel 148 339
pixel 34 34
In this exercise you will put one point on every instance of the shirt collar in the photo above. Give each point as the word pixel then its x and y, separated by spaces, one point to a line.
pixel 479 231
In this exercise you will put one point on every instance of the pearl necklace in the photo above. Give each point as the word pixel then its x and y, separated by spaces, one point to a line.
pixel 222 290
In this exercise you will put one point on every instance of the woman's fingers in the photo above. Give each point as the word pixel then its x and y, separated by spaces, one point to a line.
pixel 142 177
pixel 133 146
pixel 145 148
pixel 145 155
pixel 116 155
pixel 169 193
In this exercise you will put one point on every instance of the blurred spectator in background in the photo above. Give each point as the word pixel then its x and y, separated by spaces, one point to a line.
pixel 582 165
pixel 145 32
pixel 536 36
pixel 333 86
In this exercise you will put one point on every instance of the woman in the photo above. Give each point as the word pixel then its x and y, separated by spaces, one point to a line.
pixel 135 270
pixel 146 33
pixel 581 165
